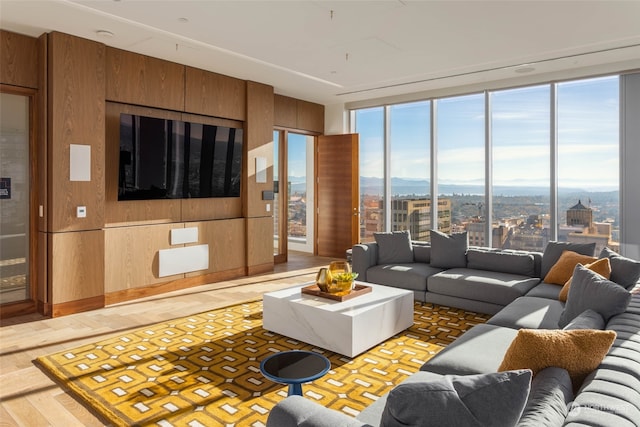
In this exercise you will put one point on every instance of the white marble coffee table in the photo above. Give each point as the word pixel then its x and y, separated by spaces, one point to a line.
pixel 348 327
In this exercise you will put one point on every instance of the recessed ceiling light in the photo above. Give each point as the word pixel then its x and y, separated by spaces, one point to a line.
pixel 104 33
pixel 183 20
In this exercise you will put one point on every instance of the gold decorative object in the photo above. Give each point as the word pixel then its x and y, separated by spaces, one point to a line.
pixel 322 278
pixel 340 278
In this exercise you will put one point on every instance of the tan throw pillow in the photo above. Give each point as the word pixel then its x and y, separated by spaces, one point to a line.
pixel 563 268
pixel 601 266
pixel 579 351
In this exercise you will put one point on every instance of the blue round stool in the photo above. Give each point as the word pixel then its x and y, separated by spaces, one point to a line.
pixel 294 368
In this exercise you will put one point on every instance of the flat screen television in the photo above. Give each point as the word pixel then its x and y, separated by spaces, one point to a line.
pixel 173 159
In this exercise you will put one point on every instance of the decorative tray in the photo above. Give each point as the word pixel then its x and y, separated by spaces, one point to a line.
pixel 356 291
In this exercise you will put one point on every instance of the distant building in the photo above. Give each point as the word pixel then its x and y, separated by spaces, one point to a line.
pixel 415 215
pixel 580 228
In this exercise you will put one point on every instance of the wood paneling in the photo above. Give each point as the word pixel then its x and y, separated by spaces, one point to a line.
pixel 76 115
pixel 259 142
pixel 337 194
pixel 130 212
pixel 214 94
pixel 226 244
pixel 310 116
pixel 285 111
pixel 142 80
pixel 18 60
pixel 76 265
pixel 259 245
pixel 294 114
pixel 131 256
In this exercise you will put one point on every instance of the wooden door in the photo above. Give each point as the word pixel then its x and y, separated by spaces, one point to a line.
pixel 337 195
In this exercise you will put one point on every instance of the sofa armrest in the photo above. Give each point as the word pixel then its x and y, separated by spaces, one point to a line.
pixel 297 411
pixel 363 256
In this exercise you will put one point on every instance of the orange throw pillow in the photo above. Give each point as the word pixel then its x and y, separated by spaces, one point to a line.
pixel 601 266
pixel 562 270
pixel 579 351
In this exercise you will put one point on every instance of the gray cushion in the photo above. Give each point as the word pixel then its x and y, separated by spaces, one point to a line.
pixel 480 350
pixel 481 285
pixel 373 413
pixel 554 249
pixel 551 392
pixel 422 253
pixel 545 290
pixel 296 411
pixel 448 250
pixel 588 319
pixel 411 276
pixel 394 247
pixel 529 313
pixel 624 271
pixel 590 290
pixel 495 399
pixel 505 262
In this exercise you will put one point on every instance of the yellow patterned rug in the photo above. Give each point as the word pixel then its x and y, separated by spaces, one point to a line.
pixel 204 370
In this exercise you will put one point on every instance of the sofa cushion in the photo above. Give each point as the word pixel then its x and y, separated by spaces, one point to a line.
pixel 545 290
pixel 421 253
pixel 562 270
pixel 529 313
pixel 448 250
pixel 505 262
pixel 553 250
pixel 590 290
pixel 578 351
pixel 600 266
pixel 624 271
pixel 588 319
pixel 394 247
pixel 495 399
pixel 412 276
pixel 480 350
pixel 551 392
pixel 481 285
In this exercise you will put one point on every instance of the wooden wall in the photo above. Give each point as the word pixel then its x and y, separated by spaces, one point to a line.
pixel 112 254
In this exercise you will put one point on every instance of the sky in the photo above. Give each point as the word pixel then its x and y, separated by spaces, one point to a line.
pixel 587 132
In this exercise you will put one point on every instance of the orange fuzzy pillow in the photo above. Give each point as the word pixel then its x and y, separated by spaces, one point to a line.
pixel 562 270
pixel 601 266
pixel 579 351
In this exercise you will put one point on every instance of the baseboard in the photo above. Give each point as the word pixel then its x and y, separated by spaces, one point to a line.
pixel 259 269
pixel 174 285
pixel 78 306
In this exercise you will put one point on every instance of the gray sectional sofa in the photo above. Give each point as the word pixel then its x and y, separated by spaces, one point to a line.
pixel 599 324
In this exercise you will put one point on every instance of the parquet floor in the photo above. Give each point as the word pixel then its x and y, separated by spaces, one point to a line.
pixel 29 398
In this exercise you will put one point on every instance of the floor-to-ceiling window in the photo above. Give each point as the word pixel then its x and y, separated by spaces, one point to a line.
pixel 549 154
pixel 409 154
pixel 588 161
pixel 520 130
pixel 369 123
pixel 460 140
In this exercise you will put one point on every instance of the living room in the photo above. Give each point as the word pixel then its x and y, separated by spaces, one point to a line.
pixel 111 256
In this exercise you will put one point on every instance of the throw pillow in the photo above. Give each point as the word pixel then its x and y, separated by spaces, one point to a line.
pixel 449 250
pixel 562 270
pixel 579 351
pixel 601 266
pixel 553 250
pixel 495 399
pixel 624 271
pixel 588 319
pixel 551 392
pixel 394 247
pixel 590 290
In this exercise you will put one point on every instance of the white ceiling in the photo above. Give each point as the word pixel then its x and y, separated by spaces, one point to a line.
pixel 334 52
